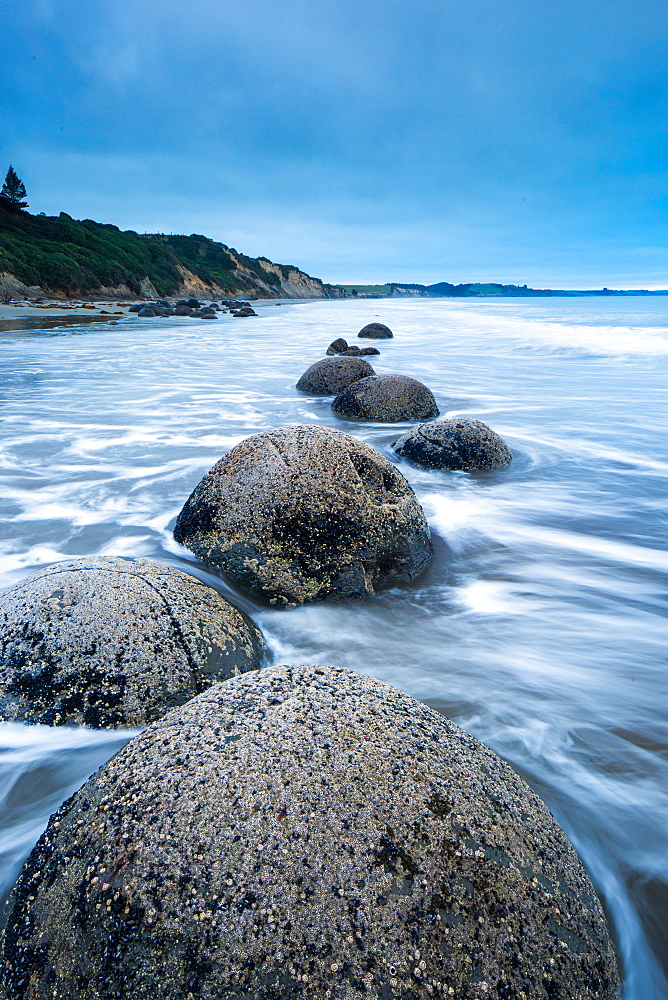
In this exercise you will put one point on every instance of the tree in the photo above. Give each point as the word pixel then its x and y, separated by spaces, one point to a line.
pixel 13 191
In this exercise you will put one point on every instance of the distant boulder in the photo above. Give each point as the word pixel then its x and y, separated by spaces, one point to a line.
pixel 461 443
pixel 331 375
pixel 386 398
pixel 376 330
pixel 147 311
pixel 182 310
pixel 193 303
pixel 338 346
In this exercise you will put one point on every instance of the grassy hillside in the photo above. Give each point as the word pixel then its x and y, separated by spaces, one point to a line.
pixel 64 255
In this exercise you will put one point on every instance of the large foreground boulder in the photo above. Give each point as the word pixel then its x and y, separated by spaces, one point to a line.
pixel 331 375
pixel 305 832
pixel 306 513
pixel 107 642
pixel 461 443
pixel 386 398
pixel 377 331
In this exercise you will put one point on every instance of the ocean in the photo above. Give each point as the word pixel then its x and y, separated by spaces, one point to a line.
pixel 540 627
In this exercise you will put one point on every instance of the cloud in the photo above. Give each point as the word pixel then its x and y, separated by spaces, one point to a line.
pixel 470 128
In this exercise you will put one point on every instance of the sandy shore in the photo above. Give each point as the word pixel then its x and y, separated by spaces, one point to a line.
pixel 54 312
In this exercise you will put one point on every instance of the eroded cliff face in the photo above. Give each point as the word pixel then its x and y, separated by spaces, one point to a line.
pixel 100 260
pixel 296 284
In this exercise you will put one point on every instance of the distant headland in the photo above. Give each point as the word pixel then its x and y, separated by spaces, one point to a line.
pixel 59 256
pixel 64 257
pixel 478 289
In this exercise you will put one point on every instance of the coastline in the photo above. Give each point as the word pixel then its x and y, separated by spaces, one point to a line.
pixel 52 313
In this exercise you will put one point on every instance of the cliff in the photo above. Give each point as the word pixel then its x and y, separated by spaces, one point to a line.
pixel 62 256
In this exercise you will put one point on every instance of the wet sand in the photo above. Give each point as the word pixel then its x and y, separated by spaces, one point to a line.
pixel 52 314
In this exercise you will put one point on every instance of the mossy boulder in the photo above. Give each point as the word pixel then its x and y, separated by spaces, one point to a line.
pixel 330 375
pixel 460 443
pixel 306 513
pixel 310 834
pixel 108 642
pixel 386 398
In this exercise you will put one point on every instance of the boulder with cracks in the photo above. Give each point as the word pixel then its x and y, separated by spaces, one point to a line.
pixel 306 513
pixel 109 642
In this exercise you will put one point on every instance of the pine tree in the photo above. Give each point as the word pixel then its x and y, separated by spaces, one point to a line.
pixel 13 191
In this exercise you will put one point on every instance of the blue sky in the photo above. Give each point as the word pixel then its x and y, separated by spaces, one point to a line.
pixel 364 140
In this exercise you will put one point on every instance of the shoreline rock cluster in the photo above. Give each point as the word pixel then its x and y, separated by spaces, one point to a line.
pixel 294 832
pixel 192 307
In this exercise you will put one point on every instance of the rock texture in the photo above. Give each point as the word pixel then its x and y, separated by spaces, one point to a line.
pixel 461 443
pixel 387 398
pixel 305 832
pixel 107 642
pixel 376 330
pixel 337 346
pixel 331 375
pixel 306 513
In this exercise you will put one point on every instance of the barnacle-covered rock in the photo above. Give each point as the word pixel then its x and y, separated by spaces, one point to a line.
pixel 305 833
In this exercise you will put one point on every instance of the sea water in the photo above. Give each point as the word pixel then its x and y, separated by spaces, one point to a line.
pixel 540 627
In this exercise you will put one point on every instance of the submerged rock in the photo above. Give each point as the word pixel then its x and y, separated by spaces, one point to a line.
pixel 306 833
pixel 305 513
pixel 461 443
pixel 107 642
pixel 376 330
pixel 386 398
pixel 331 375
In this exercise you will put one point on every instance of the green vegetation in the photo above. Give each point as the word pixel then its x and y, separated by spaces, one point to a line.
pixel 13 191
pixel 367 290
pixel 62 254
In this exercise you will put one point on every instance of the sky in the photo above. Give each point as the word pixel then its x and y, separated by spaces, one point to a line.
pixel 521 141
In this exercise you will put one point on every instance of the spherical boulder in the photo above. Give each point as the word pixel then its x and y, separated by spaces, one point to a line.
pixel 182 309
pixel 108 642
pixel 306 833
pixel 386 398
pixel 460 443
pixel 338 346
pixel 331 375
pixel 146 311
pixel 306 513
pixel 376 330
